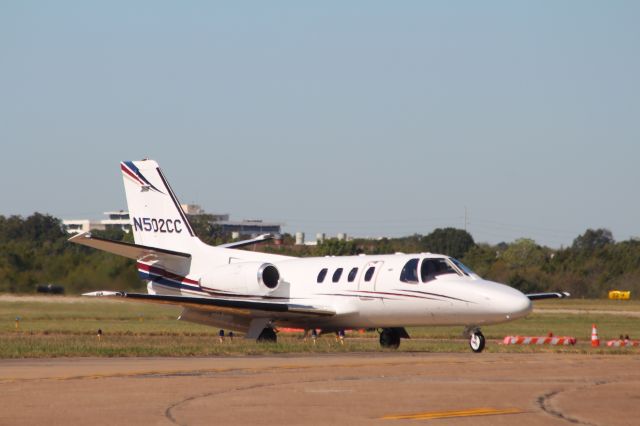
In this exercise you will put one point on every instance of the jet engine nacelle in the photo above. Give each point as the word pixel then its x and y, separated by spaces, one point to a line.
pixel 246 278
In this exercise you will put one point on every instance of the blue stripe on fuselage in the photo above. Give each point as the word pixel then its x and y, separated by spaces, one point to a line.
pixel 162 280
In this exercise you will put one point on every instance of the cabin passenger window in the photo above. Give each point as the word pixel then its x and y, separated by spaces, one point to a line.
pixel 352 274
pixel 409 273
pixel 431 268
pixel 322 274
pixel 336 275
pixel 369 274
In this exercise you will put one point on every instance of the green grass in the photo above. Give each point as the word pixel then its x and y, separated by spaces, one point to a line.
pixel 83 316
pixel 590 304
pixel 63 327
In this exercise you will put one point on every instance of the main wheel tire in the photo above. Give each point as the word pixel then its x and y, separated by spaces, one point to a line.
pixel 389 338
pixel 476 341
pixel 268 335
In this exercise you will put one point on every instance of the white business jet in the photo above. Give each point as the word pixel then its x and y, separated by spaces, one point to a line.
pixel 255 293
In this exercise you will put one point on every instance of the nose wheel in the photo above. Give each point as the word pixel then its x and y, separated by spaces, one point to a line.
pixel 476 341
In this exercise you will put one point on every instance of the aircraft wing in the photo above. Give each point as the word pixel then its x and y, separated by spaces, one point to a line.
pixel 132 251
pixel 244 307
pixel 539 296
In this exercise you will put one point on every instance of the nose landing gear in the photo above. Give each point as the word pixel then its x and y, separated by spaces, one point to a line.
pixel 476 340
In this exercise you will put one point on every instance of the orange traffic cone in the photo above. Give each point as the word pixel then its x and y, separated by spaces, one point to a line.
pixel 595 341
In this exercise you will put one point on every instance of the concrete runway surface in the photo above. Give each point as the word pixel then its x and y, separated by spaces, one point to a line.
pixel 383 388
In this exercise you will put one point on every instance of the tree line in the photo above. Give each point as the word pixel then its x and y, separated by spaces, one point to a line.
pixel 592 266
pixel 34 250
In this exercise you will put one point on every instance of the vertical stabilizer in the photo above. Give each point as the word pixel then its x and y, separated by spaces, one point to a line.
pixel 157 220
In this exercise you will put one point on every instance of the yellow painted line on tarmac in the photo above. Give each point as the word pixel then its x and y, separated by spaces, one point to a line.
pixel 427 415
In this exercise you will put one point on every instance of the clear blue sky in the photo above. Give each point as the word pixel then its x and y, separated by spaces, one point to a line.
pixel 371 118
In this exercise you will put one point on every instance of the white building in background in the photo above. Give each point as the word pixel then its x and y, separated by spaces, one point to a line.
pixel 235 228
pixel 116 219
pixel 120 219
pixel 196 210
pixel 192 209
pixel 248 228
pixel 77 226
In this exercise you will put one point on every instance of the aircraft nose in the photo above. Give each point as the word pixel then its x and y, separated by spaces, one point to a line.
pixel 510 302
pixel 519 306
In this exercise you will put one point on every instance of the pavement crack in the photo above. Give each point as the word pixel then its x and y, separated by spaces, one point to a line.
pixel 168 413
pixel 544 402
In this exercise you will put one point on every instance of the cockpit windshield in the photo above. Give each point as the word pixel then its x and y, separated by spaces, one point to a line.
pixel 433 267
pixel 462 266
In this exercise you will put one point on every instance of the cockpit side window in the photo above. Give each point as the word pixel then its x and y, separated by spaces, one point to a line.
pixel 322 274
pixel 409 273
pixel 431 268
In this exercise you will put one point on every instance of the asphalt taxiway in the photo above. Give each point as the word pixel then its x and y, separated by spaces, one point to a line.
pixel 382 388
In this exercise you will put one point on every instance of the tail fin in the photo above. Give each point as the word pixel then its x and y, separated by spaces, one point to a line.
pixel 157 219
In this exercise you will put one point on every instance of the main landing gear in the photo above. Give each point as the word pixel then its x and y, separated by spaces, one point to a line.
pixel 390 337
pixel 268 335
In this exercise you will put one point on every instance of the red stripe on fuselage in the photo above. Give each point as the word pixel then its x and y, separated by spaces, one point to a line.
pixel 394 294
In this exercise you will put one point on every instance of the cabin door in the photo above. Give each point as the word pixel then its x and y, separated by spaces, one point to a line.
pixel 367 283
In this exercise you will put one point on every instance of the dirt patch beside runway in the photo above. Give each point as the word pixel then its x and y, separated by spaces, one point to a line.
pixel 496 389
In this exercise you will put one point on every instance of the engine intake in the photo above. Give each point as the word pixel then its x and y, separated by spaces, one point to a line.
pixel 269 275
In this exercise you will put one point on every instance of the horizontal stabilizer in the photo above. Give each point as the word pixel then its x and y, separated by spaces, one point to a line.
pixel 259 239
pixel 239 306
pixel 132 251
pixel 103 294
pixel 539 296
